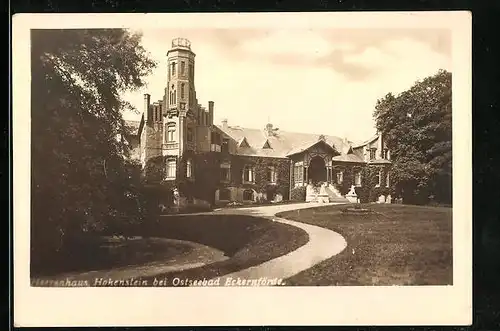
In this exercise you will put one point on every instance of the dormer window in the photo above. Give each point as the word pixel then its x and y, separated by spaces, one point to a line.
pixel 244 143
pixel 373 152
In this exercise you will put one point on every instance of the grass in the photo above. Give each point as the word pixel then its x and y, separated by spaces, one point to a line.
pixel 246 240
pixel 394 245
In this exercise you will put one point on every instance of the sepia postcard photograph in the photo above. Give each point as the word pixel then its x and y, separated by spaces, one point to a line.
pixel 242 169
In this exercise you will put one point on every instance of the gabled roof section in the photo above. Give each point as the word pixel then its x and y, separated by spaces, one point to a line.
pixel 310 145
pixel 243 142
pixel 266 145
pixel 366 142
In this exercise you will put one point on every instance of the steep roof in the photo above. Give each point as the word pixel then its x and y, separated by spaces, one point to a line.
pixel 282 143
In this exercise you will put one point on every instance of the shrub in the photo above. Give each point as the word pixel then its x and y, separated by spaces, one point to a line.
pixel 298 193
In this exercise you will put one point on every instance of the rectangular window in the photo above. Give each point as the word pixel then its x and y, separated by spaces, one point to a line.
pixel 357 179
pixel 386 154
pixel 248 176
pixel 183 67
pixel 271 175
pixel 387 182
pixel 225 172
pixel 190 136
pixel 182 91
pixel 191 71
pixel 171 168
pixel 173 68
pixel 379 178
pixel 189 169
pixel 340 177
pixel 373 153
pixel 170 134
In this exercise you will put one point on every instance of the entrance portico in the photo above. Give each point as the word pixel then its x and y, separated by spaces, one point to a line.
pixel 313 164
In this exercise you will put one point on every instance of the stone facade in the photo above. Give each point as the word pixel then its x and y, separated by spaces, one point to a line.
pixel 236 164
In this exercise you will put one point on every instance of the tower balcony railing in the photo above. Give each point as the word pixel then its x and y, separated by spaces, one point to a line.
pixel 182 43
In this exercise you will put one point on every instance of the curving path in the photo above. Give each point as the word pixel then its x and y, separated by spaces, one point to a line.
pixel 323 244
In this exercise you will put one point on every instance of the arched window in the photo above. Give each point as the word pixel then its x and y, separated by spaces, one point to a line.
pixel 224 194
pixel 248 195
pixel 189 169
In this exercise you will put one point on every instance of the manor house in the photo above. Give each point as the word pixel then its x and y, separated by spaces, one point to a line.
pixel 234 163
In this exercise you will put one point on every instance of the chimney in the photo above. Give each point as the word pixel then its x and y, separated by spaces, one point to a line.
pixel 147 112
pixel 211 113
pixel 269 129
pixel 224 124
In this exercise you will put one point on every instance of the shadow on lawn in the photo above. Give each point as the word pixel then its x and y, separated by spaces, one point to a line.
pixel 247 240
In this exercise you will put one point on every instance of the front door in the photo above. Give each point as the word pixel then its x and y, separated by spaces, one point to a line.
pixel 317 170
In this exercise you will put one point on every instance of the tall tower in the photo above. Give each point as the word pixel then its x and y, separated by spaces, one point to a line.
pixel 180 96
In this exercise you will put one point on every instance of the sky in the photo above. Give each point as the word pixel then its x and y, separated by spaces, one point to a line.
pixel 323 81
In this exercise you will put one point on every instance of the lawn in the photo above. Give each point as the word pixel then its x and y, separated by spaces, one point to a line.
pixel 393 245
pixel 246 240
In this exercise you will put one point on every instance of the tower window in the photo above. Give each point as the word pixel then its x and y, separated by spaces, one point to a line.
pixel 173 68
pixel 175 96
pixel 183 67
pixel 190 135
pixel 182 90
pixel 170 134
pixel 191 71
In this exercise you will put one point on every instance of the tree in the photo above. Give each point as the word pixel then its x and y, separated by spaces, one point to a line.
pixel 417 128
pixel 80 172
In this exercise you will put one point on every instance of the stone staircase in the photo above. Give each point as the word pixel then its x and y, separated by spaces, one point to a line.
pixel 324 193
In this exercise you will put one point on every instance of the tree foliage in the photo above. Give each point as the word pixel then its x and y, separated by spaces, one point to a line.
pixel 417 126
pixel 80 172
